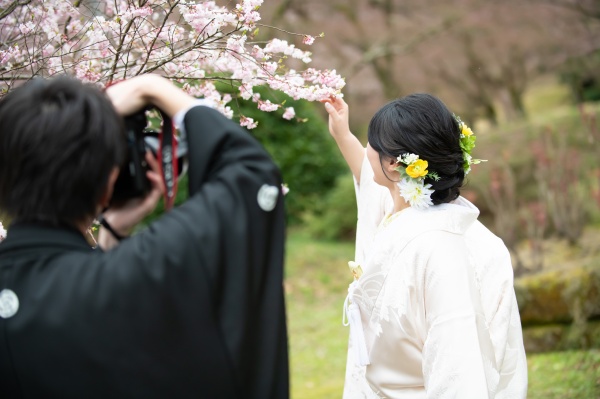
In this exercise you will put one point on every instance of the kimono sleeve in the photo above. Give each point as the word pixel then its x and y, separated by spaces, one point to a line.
pixel 373 201
pixel 453 360
pixel 224 245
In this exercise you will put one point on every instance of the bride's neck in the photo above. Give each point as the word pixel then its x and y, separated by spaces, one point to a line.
pixel 399 202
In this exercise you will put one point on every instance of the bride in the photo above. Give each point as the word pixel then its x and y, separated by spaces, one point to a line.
pixel 432 309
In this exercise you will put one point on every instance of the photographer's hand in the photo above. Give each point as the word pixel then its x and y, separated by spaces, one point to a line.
pixel 134 94
pixel 124 218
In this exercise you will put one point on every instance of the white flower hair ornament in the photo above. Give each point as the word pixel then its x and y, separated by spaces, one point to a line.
pixel 413 170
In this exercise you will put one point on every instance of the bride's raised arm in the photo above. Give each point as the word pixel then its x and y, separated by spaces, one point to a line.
pixel 350 147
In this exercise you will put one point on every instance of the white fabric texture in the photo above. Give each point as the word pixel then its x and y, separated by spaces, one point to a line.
pixel 437 305
pixel 374 202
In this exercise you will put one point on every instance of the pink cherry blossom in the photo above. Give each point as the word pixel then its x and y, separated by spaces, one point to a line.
pixel 289 113
pixel 106 41
pixel 249 123
pixel 308 40
pixel 2 232
pixel 267 106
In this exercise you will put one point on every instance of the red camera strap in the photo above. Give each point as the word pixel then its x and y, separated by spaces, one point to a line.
pixel 167 154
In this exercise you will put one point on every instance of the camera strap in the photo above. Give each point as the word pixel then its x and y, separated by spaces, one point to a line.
pixel 167 153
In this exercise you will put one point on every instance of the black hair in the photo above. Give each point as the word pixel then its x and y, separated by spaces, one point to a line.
pixel 421 124
pixel 59 141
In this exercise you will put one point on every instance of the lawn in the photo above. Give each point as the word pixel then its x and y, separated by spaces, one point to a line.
pixel 316 281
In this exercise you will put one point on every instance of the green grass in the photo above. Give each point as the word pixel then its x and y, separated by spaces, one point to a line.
pixel 316 283
pixel 317 278
pixel 564 375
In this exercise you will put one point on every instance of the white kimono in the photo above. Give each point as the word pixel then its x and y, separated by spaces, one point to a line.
pixel 435 314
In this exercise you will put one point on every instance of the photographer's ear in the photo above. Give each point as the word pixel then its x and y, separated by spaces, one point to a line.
pixel 108 190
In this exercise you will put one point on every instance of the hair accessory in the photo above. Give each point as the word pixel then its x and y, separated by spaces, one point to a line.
pixel 413 170
pixel 467 143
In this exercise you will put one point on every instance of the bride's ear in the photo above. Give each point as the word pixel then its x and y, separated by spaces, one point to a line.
pixel 391 165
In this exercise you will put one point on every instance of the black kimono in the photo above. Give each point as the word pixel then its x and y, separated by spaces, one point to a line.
pixel 192 307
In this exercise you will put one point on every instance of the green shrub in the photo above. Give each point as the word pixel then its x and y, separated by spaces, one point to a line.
pixel 334 217
pixel 307 155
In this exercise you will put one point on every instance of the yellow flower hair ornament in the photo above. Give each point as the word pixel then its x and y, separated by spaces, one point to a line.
pixel 413 172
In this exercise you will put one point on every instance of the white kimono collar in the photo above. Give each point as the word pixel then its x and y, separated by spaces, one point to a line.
pixel 455 217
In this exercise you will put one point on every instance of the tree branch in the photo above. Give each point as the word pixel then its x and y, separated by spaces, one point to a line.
pixel 12 6
pixel 118 51
pixel 155 38
pixel 382 51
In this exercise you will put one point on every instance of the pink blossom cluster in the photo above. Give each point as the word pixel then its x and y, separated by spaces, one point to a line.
pixel 308 40
pixel 248 12
pixel 193 43
pixel 248 122
pixel 321 84
pixel 2 232
pixel 289 113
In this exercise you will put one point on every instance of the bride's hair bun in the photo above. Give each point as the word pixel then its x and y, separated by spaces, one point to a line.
pixel 421 124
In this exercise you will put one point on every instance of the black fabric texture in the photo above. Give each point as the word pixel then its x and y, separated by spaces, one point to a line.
pixel 190 307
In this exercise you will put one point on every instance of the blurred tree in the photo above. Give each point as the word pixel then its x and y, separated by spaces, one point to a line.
pixel 476 85
pixel 499 48
pixel 561 181
pixel 503 200
pixel 587 8
pixel 365 39
pixel 582 75
pixel 483 55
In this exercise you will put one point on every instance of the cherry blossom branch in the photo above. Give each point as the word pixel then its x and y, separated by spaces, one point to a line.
pixel 199 43
pixel 155 38
pixel 118 51
pixel 12 6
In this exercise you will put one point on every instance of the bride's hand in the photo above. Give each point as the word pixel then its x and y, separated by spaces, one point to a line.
pixel 338 116
pixel 339 127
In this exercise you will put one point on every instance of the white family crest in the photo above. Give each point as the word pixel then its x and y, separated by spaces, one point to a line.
pixel 267 197
pixel 9 303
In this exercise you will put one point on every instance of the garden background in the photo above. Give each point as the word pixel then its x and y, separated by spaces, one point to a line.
pixel 525 74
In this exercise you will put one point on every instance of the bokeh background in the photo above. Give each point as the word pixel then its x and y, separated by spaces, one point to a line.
pixel 526 75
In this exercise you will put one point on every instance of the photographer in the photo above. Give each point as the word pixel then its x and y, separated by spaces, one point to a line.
pixel 191 306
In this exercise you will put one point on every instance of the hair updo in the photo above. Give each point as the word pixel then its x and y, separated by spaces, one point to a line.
pixel 421 124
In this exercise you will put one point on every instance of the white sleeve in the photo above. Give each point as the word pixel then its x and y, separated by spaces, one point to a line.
pixel 180 116
pixel 453 351
pixel 373 202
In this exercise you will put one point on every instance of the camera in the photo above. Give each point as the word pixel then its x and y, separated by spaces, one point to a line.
pixel 170 150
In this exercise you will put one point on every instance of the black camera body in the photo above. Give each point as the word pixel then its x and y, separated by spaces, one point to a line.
pixel 132 181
